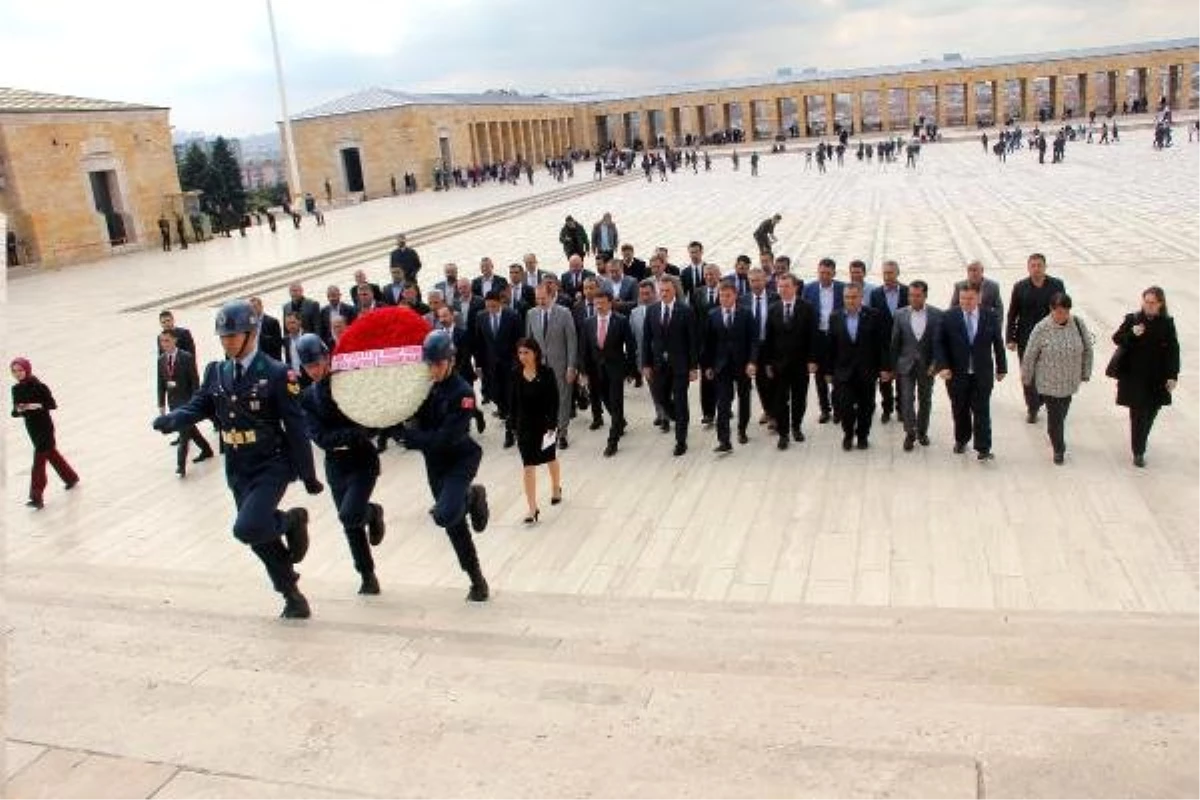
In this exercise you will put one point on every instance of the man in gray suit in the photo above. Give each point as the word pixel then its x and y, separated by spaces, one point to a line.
pixel 989 290
pixel 914 330
pixel 553 327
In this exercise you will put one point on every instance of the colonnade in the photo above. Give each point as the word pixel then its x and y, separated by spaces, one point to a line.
pixel 896 102
pixel 533 139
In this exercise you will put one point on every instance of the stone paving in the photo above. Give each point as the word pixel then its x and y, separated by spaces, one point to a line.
pixel 629 609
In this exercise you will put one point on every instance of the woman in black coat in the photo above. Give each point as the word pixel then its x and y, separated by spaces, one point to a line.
pixel 535 415
pixel 33 401
pixel 1149 367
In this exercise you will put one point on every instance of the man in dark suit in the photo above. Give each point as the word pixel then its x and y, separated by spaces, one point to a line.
pixel 989 290
pixel 406 259
pixel 178 380
pixel 624 288
pixel 360 279
pixel 969 339
pixel 729 359
pixel 758 302
pixel 466 306
pixel 670 357
pixel 825 296
pixel 858 357
pixel 787 355
pixel 633 267
pixel 498 328
pixel 692 273
pixel 609 356
pixel 1029 305
pixel 393 293
pixel 705 298
pixel 270 334
pixel 915 328
pixel 520 296
pixel 183 337
pixel 308 310
pixel 336 308
pixel 886 299
pixel 488 280
pixel 572 280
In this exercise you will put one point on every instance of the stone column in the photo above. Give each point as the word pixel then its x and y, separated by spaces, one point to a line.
pixel 1058 102
pixel 1085 100
pixel 724 116
pixel 856 112
pixel 912 105
pixel 645 129
pixel 776 116
pixel 1120 88
pixel 971 103
pixel 830 113
pixel 997 87
pixel 671 122
pixel 885 108
pixel 941 103
pixel 1028 100
pixel 1143 88
pixel 802 114
pixel 1175 88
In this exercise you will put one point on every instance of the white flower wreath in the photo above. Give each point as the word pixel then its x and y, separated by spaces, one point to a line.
pixel 382 396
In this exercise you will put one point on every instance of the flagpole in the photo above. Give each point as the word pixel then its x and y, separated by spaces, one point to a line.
pixel 288 142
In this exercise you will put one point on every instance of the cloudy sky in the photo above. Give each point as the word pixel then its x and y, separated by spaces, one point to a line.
pixel 210 61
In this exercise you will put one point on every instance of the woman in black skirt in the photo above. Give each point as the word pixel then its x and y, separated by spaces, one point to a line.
pixel 1149 367
pixel 32 400
pixel 535 415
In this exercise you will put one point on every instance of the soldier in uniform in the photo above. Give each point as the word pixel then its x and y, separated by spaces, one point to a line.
pixel 351 463
pixel 252 398
pixel 441 431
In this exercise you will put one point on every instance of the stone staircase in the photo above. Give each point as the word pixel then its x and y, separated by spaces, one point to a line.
pixel 134 682
pixel 373 250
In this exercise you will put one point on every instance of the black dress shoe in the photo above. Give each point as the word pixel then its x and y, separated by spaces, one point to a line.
pixel 663 426
pixel 69 485
pixel 202 457
pixel 181 471
pixel 610 450
pixel 381 447
pixel 863 444
pixel 376 527
pixel 960 448
pixel 1058 458
pixel 923 440
pixel 174 442
pixel 479 592
pixel 480 421
pixel 297 533
pixel 886 418
pixel 596 425
pixel 1138 461
pixel 563 444
pixel 477 507
pixel 295 606
pixel 36 504
pixel 824 418
pixel 369 585
pixel 509 440
pixel 783 443
pixel 742 437
pixel 723 447
pixel 1031 417
pixel 847 442
pixel 797 435
pixel 680 448
pixel 909 441
pixel 984 455
pixel 706 421
pixel 837 418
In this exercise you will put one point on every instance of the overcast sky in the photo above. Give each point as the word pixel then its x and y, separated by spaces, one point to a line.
pixel 210 61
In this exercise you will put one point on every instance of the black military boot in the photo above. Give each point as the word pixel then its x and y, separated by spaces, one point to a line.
pixel 479 587
pixel 477 507
pixel 297 533
pixel 295 605
pixel 370 584
pixel 376 528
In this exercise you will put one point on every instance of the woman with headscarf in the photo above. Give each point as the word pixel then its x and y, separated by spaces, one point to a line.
pixel 33 401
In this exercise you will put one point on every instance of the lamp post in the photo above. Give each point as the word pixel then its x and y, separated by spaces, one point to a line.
pixel 288 142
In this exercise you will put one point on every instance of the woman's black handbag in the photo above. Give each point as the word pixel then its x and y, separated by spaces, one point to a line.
pixel 1116 364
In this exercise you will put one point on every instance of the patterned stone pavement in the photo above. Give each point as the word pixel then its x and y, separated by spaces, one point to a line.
pixel 134 560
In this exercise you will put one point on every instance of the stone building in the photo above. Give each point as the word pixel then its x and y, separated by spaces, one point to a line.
pixel 360 141
pixel 83 178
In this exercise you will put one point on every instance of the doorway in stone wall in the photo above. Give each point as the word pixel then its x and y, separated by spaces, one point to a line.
pixel 444 149
pixel 106 197
pixel 352 168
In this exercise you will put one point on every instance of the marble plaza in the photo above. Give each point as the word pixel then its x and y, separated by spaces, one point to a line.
pixel 808 622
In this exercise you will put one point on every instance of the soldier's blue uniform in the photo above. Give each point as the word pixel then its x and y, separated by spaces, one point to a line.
pixel 351 465
pixel 254 403
pixel 441 431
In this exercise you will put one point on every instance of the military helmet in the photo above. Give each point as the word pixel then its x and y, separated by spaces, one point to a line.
pixel 310 349
pixel 438 346
pixel 236 316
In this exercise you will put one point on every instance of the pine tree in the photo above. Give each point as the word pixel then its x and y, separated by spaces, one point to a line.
pixel 226 179
pixel 194 169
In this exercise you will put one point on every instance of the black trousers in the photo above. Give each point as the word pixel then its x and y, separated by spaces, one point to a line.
pixel 186 437
pixel 351 487
pixel 887 396
pixel 1141 420
pixel 670 388
pixel 854 399
pixel 822 345
pixel 1056 420
pixel 728 383
pixel 970 403
pixel 608 390
pixel 708 398
pixel 278 561
pixel 765 388
pixel 790 401
pixel 1033 400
